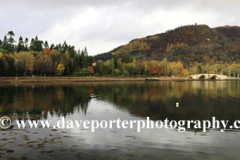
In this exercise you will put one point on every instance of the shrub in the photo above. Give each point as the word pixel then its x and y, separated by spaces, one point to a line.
pixel 116 72
pixel 84 72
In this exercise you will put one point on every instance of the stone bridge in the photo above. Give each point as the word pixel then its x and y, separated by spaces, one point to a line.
pixel 208 76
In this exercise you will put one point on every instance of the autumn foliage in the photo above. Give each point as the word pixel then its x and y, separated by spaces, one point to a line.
pixel 47 51
pixel 39 58
pixel 133 47
pixel 154 69
pixel 1 55
pixel 188 44
pixel 185 50
pixel 60 69
pixel 90 70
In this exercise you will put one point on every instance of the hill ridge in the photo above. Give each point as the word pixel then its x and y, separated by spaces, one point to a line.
pixel 184 43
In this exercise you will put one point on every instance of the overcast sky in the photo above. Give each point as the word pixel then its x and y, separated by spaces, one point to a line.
pixel 102 25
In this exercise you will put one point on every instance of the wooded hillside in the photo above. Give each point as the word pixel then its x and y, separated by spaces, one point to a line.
pixel 188 44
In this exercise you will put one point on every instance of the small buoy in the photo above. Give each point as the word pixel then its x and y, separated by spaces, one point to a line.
pixel 177 104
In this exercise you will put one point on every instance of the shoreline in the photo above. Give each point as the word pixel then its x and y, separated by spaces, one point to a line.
pixel 64 79
pixel 16 80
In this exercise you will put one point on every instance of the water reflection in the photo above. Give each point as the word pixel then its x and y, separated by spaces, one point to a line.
pixel 59 100
pixel 198 100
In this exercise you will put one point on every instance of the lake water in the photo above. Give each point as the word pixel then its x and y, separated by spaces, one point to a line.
pixel 198 100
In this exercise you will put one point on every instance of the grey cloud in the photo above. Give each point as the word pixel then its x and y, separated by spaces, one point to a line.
pixel 114 21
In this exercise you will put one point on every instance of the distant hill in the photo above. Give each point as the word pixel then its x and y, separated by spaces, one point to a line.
pixel 185 43
pixel 232 32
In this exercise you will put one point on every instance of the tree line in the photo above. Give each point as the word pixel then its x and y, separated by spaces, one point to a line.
pixel 119 66
pixel 38 58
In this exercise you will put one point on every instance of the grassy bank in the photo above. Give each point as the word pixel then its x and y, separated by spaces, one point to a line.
pixel 77 79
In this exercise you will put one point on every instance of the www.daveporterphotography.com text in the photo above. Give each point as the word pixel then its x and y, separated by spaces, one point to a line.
pixel 180 125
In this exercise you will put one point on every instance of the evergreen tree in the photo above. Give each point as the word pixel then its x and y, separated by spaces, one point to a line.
pixel 85 51
pixel 11 40
pixel 32 43
pixel 26 44
pixel 46 45
pixel 56 47
pixel 5 44
pixel 52 46
pixel 60 47
pixel 20 46
pixel 75 63
pixel 1 44
pixel 38 45
pixel 11 34
pixel 86 60
pixel 36 38
pixel 65 46
pixel 72 51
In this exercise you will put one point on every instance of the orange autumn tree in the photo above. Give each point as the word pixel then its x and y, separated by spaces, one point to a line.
pixel 47 51
pixel 90 69
pixel 212 72
pixel 154 69
pixel 176 68
pixel 185 72
pixel 180 65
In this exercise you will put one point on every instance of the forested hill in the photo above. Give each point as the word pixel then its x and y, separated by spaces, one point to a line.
pixel 232 32
pixel 192 43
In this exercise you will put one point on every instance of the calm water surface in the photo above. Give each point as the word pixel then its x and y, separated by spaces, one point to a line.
pixel 199 100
